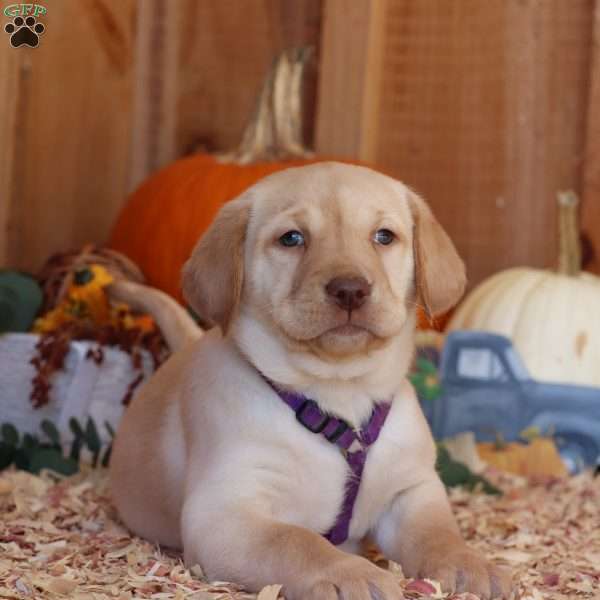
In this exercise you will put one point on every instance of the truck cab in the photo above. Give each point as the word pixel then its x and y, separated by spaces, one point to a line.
pixel 487 389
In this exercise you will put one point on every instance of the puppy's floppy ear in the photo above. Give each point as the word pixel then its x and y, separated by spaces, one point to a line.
pixel 213 276
pixel 439 272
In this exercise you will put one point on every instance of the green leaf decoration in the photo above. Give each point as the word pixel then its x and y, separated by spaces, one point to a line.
pixel 76 428
pixel 454 473
pixel 106 457
pixel 33 455
pixel 22 458
pixel 7 455
pixel 91 436
pixel 424 365
pixel 425 379
pixel 92 440
pixel 76 446
pixel 110 430
pixel 78 438
pixel 29 441
pixel 51 431
pixel 52 459
pixel 10 435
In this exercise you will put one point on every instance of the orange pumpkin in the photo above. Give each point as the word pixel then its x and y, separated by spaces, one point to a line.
pixel 538 458
pixel 502 455
pixel 542 459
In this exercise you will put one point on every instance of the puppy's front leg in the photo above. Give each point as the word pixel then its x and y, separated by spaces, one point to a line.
pixel 419 532
pixel 239 545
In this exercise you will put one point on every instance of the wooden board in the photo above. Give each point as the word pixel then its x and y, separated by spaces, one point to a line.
pixel 349 77
pixel 481 108
pixel 590 212
pixel 11 75
pixel 155 90
pixel 70 129
pixel 226 48
pixel 134 84
pixel 200 67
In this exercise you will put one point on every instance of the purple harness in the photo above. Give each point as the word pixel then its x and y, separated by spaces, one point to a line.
pixel 353 444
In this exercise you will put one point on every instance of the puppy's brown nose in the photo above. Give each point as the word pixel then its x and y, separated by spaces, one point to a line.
pixel 349 293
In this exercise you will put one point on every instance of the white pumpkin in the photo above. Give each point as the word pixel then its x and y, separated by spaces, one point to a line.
pixel 553 318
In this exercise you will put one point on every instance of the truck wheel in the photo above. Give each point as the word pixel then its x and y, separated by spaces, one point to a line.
pixel 576 451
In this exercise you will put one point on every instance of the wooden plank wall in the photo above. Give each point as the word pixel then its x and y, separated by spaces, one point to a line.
pixel 67 107
pixel 486 108
pixel 226 48
pixel 591 163
pixel 481 107
pixel 349 77
pixel 9 75
pixel 135 84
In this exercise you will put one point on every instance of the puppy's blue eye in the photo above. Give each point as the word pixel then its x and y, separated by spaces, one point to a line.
pixel 384 237
pixel 291 238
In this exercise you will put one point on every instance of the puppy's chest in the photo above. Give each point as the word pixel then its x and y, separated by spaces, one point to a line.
pixel 390 468
pixel 298 476
pixel 312 493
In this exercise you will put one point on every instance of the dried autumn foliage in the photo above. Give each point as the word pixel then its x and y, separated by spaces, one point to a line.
pixel 79 308
pixel 53 347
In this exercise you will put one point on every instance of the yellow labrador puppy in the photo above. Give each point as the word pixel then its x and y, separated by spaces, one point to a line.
pixel 274 445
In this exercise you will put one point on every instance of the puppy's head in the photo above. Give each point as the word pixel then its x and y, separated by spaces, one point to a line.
pixel 332 257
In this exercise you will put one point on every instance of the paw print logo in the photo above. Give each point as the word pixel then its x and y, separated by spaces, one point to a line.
pixel 24 32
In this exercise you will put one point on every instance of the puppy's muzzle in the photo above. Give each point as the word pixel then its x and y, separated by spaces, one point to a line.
pixel 349 293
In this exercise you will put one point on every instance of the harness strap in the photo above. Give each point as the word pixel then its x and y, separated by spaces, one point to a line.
pixel 354 445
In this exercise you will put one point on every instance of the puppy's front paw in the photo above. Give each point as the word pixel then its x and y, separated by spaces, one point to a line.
pixel 353 578
pixel 464 570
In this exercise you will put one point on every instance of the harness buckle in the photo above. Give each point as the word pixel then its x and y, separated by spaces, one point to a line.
pixel 335 435
pixel 316 427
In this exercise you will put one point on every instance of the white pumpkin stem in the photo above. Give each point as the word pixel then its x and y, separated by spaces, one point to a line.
pixel 569 254
pixel 275 131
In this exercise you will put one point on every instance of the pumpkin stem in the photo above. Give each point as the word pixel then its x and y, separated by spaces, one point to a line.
pixel 569 255
pixel 275 130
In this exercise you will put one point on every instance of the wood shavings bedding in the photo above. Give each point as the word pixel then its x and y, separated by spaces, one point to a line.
pixel 62 540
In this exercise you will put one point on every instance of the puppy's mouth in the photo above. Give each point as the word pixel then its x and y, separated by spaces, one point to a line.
pixel 346 330
pixel 304 323
pixel 340 338
pixel 339 329
pixel 346 340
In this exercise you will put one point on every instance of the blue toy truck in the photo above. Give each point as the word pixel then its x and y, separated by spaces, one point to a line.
pixel 486 389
